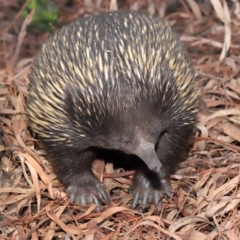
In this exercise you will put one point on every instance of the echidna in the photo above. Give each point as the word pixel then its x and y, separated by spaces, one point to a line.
pixel 114 85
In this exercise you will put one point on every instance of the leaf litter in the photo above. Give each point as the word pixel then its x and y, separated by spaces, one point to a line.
pixel 206 194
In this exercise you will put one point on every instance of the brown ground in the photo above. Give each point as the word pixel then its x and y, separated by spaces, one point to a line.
pixel 206 200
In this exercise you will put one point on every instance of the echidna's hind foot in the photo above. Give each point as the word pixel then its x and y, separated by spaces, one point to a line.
pixel 86 188
pixel 148 187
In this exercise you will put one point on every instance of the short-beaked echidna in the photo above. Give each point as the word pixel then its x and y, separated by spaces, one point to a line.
pixel 114 85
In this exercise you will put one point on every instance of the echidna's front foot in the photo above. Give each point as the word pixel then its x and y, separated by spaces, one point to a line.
pixel 86 189
pixel 149 187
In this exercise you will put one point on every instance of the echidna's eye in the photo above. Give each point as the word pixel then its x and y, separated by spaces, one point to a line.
pixel 161 135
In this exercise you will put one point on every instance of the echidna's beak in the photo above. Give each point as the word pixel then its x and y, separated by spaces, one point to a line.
pixel 146 151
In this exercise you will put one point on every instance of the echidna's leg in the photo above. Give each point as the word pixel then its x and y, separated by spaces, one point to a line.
pixel 74 170
pixel 146 188
pixel 149 186
pixel 171 149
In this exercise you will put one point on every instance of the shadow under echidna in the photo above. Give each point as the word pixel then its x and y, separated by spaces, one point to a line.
pixel 114 85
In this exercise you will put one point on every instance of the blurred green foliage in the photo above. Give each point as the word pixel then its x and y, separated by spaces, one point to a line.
pixel 45 17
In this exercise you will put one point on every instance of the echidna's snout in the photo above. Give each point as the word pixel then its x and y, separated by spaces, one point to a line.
pixel 146 151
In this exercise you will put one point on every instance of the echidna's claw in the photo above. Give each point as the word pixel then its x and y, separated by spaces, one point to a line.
pixel 148 190
pixel 92 191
